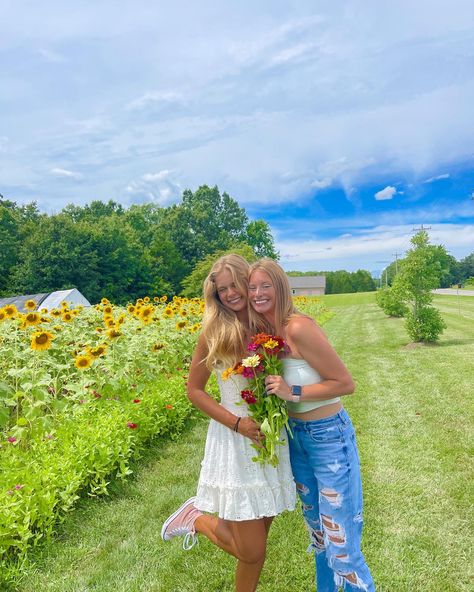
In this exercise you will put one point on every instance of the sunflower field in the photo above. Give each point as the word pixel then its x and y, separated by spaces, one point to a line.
pixel 82 390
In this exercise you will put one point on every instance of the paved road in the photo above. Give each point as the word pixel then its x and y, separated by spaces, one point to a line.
pixel 452 292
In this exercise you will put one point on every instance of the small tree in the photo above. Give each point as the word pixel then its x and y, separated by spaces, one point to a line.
pixel 420 272
pixel 390 302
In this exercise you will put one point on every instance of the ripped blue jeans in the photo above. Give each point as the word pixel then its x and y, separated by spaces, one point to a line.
pixel 326 468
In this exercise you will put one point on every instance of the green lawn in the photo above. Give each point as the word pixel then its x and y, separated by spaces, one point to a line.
pixel 413 412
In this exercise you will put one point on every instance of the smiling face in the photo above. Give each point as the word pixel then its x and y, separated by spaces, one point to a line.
pixel 229 294
pixel 262 294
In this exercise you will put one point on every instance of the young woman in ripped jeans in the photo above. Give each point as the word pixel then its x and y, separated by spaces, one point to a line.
pixel 323 450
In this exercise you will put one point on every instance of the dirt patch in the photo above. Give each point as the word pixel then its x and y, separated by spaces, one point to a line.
pixel 416 344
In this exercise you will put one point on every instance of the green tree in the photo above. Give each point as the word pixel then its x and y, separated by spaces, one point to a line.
pixel 420 273
pixel 260 238
pixel 193 283
pixel 466 268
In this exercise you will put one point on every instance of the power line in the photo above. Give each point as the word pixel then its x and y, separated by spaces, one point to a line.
pixel 422 228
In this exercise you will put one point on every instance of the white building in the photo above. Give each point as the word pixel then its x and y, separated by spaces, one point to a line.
pixel 307 285
pixel 47 300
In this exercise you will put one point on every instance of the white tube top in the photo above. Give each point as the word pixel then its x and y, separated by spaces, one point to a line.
pixel 298 371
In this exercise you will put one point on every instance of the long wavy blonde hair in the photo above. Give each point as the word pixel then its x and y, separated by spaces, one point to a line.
pixel 225 335
pixel 284 307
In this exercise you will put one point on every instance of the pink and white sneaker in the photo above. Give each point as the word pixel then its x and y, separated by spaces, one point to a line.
pixel 181 523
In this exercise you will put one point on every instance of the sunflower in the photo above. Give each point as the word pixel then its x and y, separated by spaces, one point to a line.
pixel 156 299
pixel 113 333
pixel 31 319
pixel 97 352
pixel 168 312
pixel 146 313
pixel 163 298
pixel 11 311
pixel 121 319
pixel 41 340
pixel 146 299
pixel 83 362
pixel 64 305
pixel 109 322
pixel 131 308
pixel 181 324
pixel 108 310
pixel 67 316
pixel 183 312
pixel 30 305
pixel 56 312
pixel 105 301
pixel 3 314
pixel 157 347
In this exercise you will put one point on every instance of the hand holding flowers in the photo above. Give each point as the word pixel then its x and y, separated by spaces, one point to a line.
pixel 265 408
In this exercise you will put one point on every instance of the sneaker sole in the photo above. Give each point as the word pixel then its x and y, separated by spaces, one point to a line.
pixel 173 516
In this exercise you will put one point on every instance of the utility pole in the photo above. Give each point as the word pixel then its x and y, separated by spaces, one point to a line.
pixel 396 255
pixel 422 228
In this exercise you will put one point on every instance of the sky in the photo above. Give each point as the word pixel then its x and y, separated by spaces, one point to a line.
pixel 345 125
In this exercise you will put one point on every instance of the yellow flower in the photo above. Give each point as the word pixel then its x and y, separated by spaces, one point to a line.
pixel 97 352
pixel 83 362
pixel 56 312
pixel 41 340
pixel 181 324
pixel 113 333
pixel 109 322
pixel 156 299
pixel 44 311
pixel 163 298
pixel 3 314
pixel 270 344
pixel 146 299
pixel 64 305
pixel 30 305
pixel 67 316
pixel 31 319
pixel 105 301
pixel 108 310
pixel 146 313
pixel 11 311
pixel 168 312
pixel 251 361
pixel 157 346
pixel 121 319
pixel 227 373
pixel 131 308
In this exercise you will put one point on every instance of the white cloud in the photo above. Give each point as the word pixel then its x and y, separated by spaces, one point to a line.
pixel 64 173
pixel 150 99
pixel 365 249
pixel 161 188
pixel 386 193
pixel 437 178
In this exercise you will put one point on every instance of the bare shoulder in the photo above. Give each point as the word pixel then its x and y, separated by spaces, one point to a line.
pixel 299 324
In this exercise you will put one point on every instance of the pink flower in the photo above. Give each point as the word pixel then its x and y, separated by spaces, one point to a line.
pixel 10 492
pixel 132 425
pixel 19 486
pixel 11 439
pixel 251 347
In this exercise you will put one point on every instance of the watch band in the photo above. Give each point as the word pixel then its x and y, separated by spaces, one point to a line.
pixel 296 391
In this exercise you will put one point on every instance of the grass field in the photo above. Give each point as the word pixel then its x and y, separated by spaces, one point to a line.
pixel 413 412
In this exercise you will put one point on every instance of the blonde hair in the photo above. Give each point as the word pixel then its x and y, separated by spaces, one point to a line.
pixel 224 333
pixel 284 307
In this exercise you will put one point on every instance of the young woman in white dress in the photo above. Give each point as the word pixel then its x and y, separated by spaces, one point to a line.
pixel 243 495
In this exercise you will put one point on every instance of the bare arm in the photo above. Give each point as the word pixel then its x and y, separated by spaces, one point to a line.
pixel 313 346
pixel 198 376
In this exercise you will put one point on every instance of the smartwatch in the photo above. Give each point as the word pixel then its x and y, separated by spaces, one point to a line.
pixel 296 393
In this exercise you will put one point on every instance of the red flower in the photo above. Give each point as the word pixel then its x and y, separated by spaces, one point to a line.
pixel 248 396
pixel 11 439
pixel 137 400
pixel 132 425
pixel 169 406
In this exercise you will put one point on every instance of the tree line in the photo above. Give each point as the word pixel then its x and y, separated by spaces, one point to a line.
pixel 104 249
pixel 342 282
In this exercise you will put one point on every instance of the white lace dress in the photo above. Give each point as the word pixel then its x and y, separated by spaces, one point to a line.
pixel 231 484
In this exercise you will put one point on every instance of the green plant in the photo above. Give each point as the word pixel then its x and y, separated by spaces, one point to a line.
pixel 390 302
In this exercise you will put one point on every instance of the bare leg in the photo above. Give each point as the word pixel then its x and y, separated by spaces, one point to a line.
pixel 246 540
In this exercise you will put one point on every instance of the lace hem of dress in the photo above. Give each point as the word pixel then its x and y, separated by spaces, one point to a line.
pixel 246 503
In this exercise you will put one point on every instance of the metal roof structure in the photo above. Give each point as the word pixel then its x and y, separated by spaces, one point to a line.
pixel 47 300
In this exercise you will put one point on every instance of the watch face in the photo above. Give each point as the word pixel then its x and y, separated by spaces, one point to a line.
pixel 296 390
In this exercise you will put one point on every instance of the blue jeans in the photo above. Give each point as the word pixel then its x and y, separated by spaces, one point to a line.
pixel 326 468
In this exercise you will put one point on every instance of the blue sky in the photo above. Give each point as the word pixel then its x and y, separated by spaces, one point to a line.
pixel 343 124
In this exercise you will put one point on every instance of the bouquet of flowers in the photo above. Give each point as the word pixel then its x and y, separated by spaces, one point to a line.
pixel 267 410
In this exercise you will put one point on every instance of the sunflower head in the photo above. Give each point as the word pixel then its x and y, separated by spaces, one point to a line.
pixel 41 340
pixel 30 305
pixel 11 311
pixel 83 362
pixel 181 324
pixel 97 352
pixel 146 299
pixel 67 316
pixel 31 319
pixel 3 314
pixel 163 298
pixel 113 333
